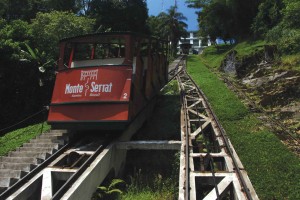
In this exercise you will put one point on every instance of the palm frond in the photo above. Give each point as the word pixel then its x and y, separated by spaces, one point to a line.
pixel 115 182
pixel 114 191
pixel 31 51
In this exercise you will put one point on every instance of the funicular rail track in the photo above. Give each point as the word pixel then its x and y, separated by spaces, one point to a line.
pixel 69 160
pixel 210 167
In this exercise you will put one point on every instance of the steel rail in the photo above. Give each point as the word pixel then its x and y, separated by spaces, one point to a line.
pixel 175 70
pixel 185 108
pixel 211 162
pixel 219 126
pixel 80 171
pixel 187 163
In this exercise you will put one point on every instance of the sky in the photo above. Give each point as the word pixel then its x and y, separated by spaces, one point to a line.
pixel 157 6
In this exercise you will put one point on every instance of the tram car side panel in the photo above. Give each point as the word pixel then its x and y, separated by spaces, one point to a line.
pixel 93 84
pixel 90 95
pixel 108 83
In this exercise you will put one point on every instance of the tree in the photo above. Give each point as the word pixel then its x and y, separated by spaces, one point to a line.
pixel 21 9
pixel 173 27
pixel 18 80
pixel 269 15
pixel 244 12
pixel 25 51
pixel 212 23
pixel 226 18
pixel 119 15
pixel 12 36
pixel 66 5
pixel 154 24
pixel 286 34
pixel 48 28
pixel 27 9
pixel 291 14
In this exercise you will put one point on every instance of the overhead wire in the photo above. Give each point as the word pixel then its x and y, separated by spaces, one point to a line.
pixel 25 119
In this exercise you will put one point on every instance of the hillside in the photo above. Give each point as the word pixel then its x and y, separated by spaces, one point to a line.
pixel 264 149
pixel 268 83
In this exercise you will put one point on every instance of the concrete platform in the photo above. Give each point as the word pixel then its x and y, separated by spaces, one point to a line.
pixel 150 145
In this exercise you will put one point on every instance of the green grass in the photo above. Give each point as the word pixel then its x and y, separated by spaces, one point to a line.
pixel 273 169
pixel 210 54
pixel 14 139
pixel 154 174
pixel 212 86
pixel 148 194
pixel 214 56
pixel 291 62
pixel 249 47
pixel 164 123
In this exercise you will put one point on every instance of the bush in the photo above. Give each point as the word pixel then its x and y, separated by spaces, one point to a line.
pixel 48 28
pixel 287 40
pixel 290 41
pixel 287 33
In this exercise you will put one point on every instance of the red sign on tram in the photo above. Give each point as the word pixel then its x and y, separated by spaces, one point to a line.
pixel 107 83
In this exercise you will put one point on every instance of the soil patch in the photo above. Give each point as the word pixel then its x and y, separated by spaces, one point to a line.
pixel 269 88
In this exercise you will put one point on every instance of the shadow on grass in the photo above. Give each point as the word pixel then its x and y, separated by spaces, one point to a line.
pixel 165 121
pixel 219 49
pixel 155 172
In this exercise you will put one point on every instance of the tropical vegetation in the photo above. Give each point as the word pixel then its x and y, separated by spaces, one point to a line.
pixel 276 21
pixel 29 35
pixel 169 26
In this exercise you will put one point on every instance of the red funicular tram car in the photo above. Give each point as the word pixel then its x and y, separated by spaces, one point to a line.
pixel 104 80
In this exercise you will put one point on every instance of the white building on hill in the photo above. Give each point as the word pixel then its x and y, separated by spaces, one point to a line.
pixel 195 41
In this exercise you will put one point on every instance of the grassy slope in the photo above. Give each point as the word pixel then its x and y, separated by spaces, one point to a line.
pixel 273 170
pixel 14 139
pixel 213 57
pixel 144 182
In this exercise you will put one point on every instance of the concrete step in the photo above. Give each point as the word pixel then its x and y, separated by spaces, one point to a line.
pixel 36 149
pixel 24 159
pixel 32 154
pixel 47 145
pixel 47 141
pixel 55 137
pixel 17 166
pixel 5 173
pixel 42 140
pixel 59 130
pixel 56 132
pixel 6 182
pixel 28 160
